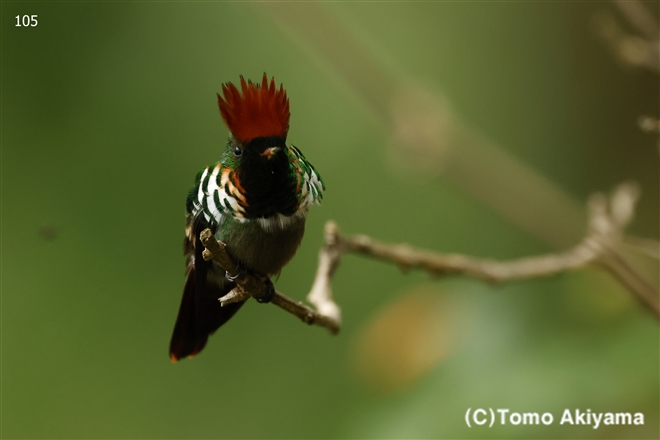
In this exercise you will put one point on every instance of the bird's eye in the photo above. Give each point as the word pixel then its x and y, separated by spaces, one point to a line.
pixel 237 151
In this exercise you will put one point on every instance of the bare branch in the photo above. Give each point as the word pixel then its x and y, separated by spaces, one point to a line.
pixel 633 50
pixel 640 17
pixel 247 284
pixel 215 250
pixel 645 246
pixel 306 314
pixel 649 124
pixel 600 247
pixel 321 293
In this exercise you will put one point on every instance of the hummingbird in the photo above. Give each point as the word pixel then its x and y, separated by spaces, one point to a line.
pixel 254 199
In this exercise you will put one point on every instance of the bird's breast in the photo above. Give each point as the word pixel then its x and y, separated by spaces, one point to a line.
pixel 265 245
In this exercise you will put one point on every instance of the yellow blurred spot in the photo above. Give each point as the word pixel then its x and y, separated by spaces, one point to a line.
pixel 405 339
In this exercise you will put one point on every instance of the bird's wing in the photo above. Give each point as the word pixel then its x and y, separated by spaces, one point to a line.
pixel 309 185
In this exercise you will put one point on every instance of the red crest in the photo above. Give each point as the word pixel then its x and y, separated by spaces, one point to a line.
pixel 260 111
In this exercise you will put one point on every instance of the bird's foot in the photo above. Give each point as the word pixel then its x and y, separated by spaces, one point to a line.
pixel 239 274
pixel 270 292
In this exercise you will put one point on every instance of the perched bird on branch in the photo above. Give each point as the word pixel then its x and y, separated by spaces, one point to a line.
pixel 255 199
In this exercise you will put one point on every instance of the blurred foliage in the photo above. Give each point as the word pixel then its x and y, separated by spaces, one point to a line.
pixel 109 110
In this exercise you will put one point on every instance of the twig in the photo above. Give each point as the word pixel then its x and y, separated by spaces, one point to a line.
pixel 640 17
pixel 599 247
pixel 644 246
pixel 632 49
pixel 649 124
pixel 248 284
pixel 306 314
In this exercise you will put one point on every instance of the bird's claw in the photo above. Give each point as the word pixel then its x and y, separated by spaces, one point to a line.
pixel 270 292
pixel 238 275
pixel 270 288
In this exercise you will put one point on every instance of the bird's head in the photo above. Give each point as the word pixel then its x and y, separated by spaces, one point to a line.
pixel 257 117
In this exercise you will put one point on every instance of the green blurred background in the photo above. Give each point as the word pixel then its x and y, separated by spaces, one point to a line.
pixel 108 112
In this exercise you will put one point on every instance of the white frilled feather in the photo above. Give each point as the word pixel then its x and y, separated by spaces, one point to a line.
pixel 228 196
pixel 311 191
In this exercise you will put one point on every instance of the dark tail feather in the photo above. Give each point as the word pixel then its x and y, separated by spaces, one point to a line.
pixel 193 328
pixel 200 313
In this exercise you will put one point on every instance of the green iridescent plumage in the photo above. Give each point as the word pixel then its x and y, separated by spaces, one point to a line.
pixel 217 191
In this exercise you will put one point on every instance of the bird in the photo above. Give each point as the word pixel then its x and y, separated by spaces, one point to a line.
pixel 255 199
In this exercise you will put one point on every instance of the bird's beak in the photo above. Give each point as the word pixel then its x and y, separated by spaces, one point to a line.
pixel 270 152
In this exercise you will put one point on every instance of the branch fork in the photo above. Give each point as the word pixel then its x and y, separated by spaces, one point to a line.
pixel 601 246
